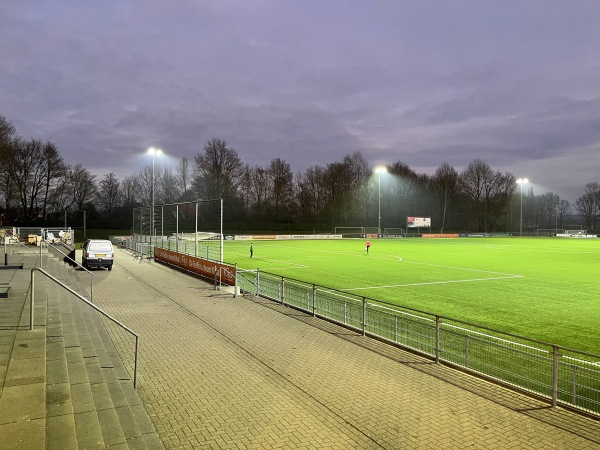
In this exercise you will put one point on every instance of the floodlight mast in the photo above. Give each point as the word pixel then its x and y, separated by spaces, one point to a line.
pixel 379 170
pixel 521 182
pixel 154 152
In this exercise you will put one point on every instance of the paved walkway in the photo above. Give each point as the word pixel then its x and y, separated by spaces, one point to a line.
pixel 229 373
pixel 224 372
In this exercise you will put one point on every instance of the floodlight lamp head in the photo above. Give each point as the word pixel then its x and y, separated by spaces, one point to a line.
pixel 522 180
pixel 380 169
pixel 155 151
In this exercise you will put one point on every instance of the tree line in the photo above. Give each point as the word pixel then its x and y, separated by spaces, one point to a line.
pixel 37 187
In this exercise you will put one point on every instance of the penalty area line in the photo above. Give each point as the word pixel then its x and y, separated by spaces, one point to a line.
pixel 430 283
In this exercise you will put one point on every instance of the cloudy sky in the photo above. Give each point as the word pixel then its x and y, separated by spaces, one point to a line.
pixel 513 82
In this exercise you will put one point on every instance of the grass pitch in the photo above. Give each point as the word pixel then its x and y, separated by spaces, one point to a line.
pixel 541 288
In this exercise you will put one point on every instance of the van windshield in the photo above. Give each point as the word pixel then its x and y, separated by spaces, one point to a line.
pixel 101 247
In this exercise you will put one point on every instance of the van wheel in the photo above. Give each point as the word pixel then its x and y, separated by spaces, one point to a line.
pixel 109 267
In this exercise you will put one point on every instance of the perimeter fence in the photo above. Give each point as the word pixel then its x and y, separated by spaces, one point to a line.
pixel 193 228
pixel 558 375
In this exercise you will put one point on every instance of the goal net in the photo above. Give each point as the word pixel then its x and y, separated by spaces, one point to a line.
pixel 394 232
pixel 576 232
pixel 350 232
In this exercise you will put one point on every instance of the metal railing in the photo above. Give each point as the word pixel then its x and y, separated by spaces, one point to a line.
pixel 82 298
pixel 555 374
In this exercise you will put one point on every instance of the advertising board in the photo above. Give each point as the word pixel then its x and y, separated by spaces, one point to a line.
pixel 418 222
pixel 196 265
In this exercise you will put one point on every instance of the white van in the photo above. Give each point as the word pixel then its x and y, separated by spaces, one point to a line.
pixel 98 253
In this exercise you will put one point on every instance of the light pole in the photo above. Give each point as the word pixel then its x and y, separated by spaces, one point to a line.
pixel 379 170
pixel 521 182
pixel 154 152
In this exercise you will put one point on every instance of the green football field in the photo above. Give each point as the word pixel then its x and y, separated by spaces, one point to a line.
pixel 541 288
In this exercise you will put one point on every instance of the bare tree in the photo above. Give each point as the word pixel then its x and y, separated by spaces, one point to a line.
pixel 109 194
pixel 169 187
pixel 83 185
pixel 563 209
pixel 312 196
pixel 471 184
pixel 547 205
pixel 8 141
pixel 281 181
pixel 55 168
pixel 131 191
pixel 61 197
pixel 184 178
pixel 257 188
pixel 498 191
pixel 588 205
pixel 445 185
pixel 218 172
pixel 28 168
pixel 359 174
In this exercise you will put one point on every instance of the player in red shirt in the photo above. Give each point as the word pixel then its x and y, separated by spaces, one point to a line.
pixel 367 246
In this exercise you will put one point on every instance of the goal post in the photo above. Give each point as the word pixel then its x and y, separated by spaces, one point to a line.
pixel 394 232
pixel 350 232
pixel 194 228
pixel 576 232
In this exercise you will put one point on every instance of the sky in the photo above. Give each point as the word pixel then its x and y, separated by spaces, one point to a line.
pixel 515 83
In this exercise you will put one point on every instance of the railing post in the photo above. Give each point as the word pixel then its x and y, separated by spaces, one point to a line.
pixel 554 375
pixel 467 350
pixel 257 282
pixel 314 300
pixel 437 339
pixel 283 291
pixel 574 388
pixel 395 328
pixel 41 265
pixel 235 283
pixel 364 324
pixel 31 300
pixel 135 362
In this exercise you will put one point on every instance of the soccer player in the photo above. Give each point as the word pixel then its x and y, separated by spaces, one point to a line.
pixel 367 246
pixel 251 250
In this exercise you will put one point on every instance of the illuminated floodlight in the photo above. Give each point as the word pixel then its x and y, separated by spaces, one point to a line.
pixel 154 152
pixel 521 182
pixel 379 170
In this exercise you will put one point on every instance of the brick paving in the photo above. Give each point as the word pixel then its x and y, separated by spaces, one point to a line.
pixel 229 373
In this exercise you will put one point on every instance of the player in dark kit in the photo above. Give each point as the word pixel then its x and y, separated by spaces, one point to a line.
pixel 251 250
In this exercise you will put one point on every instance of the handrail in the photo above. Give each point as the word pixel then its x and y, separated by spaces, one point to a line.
pixel 78 265
pixel 81 297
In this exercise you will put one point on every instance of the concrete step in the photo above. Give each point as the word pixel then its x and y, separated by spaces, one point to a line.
pixel 120 413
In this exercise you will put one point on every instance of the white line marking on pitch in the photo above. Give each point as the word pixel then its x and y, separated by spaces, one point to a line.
pixel 432 282
pixel 300 266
